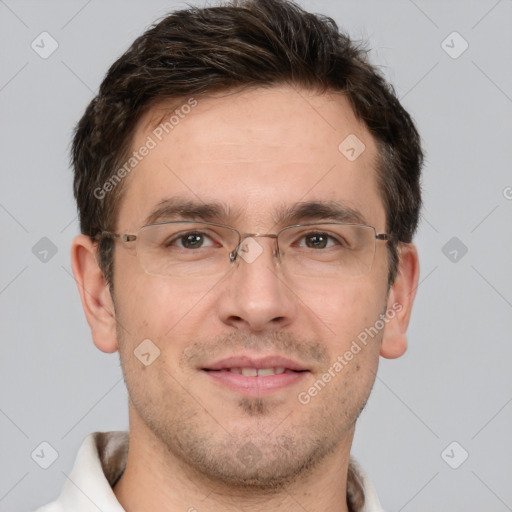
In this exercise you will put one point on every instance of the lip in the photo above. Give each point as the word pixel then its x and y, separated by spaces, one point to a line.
pixel 259 385
pixel 245 361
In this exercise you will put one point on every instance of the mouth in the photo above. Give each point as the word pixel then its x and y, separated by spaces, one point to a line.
pixel 255 376
pixel 255 372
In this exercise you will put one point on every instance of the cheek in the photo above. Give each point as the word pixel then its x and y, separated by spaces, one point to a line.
pixel 342 312
pixel 159 309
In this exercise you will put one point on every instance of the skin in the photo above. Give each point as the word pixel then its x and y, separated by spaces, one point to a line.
pixel 256 151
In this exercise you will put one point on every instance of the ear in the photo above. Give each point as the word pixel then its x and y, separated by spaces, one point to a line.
pixel 400 300
pixel 94 293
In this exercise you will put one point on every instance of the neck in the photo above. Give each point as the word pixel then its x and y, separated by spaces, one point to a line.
pixel 154 479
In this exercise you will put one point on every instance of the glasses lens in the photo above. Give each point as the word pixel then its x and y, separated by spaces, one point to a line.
pixel 186 249
pixel 327 250
pixel 190 249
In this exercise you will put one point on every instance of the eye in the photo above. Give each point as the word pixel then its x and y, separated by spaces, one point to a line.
pixel 318 240
pixel 190 240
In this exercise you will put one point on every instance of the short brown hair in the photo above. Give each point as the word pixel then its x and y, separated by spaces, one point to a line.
pixel 242 43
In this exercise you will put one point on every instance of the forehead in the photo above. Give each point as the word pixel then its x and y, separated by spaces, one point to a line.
pixel 255 153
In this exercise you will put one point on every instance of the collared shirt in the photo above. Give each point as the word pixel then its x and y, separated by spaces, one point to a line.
pixel 100 463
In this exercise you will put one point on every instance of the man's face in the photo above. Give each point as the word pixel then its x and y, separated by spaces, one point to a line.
pixel 257 154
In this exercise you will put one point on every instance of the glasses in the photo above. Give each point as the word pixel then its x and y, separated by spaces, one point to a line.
pixel 204 249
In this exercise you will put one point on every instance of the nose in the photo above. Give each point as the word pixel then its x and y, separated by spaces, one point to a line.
pixel 255 295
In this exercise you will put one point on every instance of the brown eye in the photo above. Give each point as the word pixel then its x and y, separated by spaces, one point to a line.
pixel 189 240
pixel 316 240
pixel 192 240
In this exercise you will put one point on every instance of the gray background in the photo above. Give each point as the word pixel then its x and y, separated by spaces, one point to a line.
pixel 454 382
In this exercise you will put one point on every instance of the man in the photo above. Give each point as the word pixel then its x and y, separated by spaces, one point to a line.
pixel 248 190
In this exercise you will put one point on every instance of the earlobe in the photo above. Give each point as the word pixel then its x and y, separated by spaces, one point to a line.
pixel 94 294
pixel 400 302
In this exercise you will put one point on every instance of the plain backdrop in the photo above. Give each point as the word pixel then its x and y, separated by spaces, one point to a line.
pixel 449 397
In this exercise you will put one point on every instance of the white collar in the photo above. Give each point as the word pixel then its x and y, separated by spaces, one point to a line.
pixel 101 460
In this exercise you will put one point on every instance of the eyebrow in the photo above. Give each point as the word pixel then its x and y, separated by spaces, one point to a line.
pixel 175 208
pixel 320 210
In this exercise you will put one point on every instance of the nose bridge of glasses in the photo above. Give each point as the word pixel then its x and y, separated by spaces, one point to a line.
pixel 249 249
